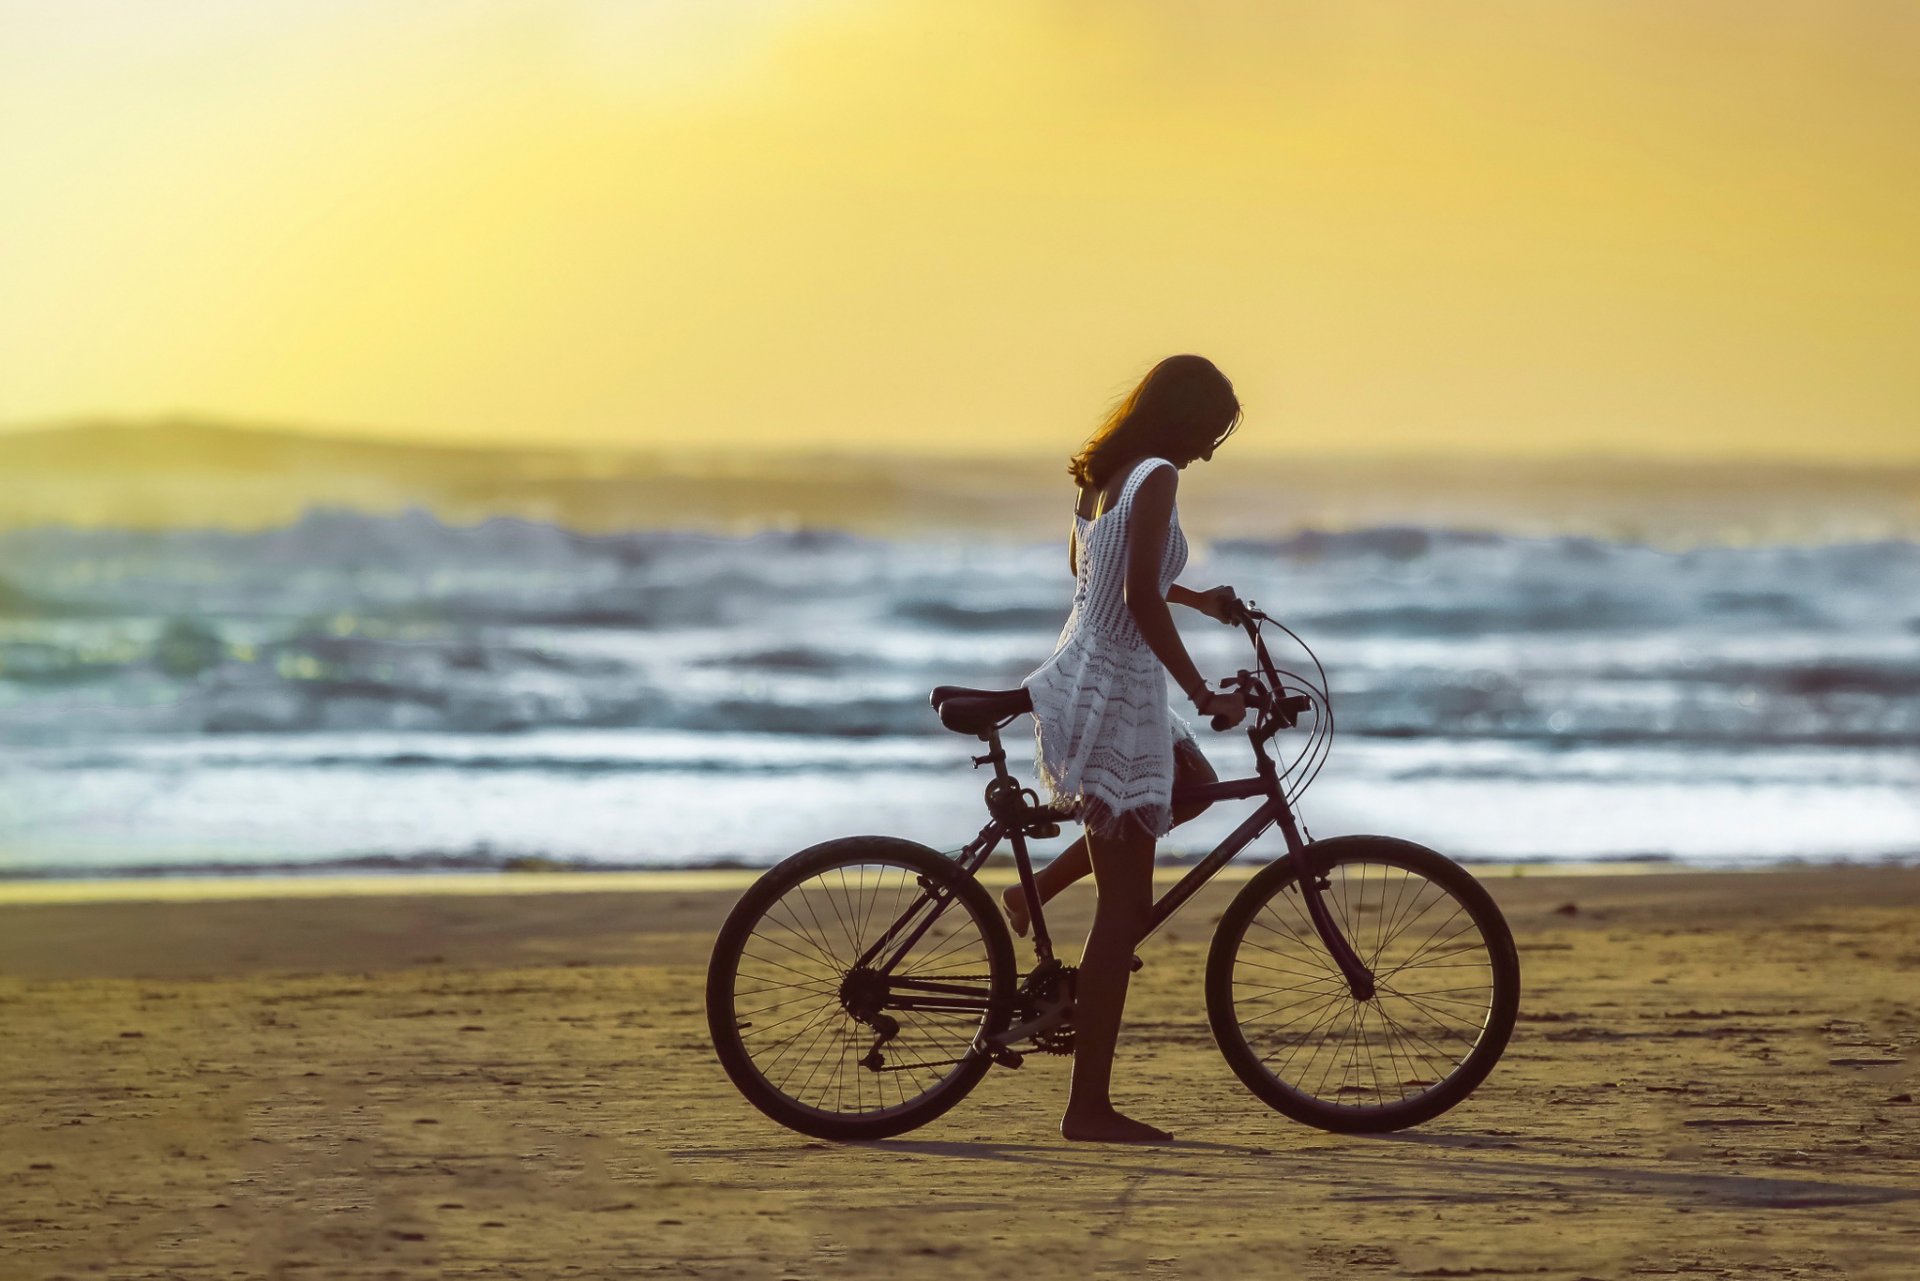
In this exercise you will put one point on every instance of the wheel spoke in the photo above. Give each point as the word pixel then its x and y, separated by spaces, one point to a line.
pixel 1314 1002
pixel 782 965
pixel 1428 940
pixel 1329 1013
pixel 1410 922
pixel 1318 987
pixel 1439 1020
pixel 1409 1036
pixel 816 942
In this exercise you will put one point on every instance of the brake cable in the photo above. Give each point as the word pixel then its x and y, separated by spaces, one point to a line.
pixel 1319 745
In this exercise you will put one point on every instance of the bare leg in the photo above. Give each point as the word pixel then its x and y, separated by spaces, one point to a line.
pixel 1072 864
pixel 1189 766
pixel 1123 870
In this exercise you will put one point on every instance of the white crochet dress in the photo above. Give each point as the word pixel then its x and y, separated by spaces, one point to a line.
pixel 1102 724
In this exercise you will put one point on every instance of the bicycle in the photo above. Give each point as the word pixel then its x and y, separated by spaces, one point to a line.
pixel 864 986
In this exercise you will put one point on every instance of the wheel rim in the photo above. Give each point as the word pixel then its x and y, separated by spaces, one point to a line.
pixel 796 993
pixel 1427 1022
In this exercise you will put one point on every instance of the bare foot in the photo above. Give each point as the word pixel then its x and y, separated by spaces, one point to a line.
pixel 1015 901
pixel 1109 1127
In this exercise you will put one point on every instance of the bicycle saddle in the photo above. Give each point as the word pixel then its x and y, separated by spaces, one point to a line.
pixel 975 711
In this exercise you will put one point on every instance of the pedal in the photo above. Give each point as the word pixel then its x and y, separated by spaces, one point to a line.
pixel 1009 1058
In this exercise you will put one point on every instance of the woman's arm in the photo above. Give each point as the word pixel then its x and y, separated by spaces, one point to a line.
pixel 1217 603
pixel 1147 538
pixel 1146 542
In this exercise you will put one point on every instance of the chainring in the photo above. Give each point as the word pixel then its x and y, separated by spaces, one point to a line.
pixel 1041 989
pixel 1058 1041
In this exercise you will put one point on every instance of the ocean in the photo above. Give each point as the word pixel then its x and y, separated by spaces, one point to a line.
pixel 366 692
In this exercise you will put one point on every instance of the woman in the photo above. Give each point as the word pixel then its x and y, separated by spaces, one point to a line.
pixel 1108 742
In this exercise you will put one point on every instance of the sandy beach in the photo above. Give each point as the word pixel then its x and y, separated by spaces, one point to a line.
pixel 1713 1075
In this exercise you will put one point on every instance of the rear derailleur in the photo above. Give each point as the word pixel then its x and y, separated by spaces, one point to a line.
pixel 862 993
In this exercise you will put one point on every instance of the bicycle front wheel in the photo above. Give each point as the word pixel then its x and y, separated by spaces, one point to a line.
pixel 848 987
pixel 1446 974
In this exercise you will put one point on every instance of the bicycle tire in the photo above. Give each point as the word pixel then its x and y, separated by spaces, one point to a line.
pixel 761 903
pixel 1324 998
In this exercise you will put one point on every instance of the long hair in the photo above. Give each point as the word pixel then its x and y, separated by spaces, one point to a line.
pixel 1183 408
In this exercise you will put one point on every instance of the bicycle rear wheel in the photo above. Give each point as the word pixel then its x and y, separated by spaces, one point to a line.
pixel 840 1047
pixel 1446 973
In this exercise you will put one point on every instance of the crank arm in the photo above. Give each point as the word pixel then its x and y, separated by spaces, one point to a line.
pixel 1045 1021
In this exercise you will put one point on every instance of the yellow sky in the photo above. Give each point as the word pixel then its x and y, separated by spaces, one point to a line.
pixel 1669 225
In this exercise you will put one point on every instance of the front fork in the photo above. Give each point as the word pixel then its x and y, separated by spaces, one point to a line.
pixel 1314 885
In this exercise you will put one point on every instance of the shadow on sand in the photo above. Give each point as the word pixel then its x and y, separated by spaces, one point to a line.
pixel 1461 1178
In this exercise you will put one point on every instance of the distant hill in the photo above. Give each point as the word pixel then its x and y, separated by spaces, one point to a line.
pixel 207 474
pixel 184 473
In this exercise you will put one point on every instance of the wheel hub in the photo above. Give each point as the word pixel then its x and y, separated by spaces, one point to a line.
pixel 862 993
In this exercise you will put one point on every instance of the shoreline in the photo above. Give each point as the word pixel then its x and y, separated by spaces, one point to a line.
pixel 279 885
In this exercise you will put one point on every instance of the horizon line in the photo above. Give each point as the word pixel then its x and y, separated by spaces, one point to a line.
pixel 377 437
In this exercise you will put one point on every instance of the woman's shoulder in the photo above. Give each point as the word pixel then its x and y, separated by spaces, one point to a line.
pixel 1153 470
pixel 1102 498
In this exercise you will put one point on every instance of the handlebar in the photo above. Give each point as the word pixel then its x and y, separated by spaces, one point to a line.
pixel 1279 696
pixel 1279 713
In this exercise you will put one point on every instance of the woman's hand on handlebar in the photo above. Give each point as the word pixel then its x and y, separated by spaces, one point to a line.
pixel 1227 708
pixel 1221 605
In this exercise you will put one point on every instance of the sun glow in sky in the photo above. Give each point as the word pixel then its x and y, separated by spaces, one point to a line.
pixel 1635 225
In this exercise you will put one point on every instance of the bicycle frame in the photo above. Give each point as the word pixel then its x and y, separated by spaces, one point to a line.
pixel 906 992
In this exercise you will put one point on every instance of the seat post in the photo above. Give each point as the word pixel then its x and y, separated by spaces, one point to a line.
pixel 996 755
